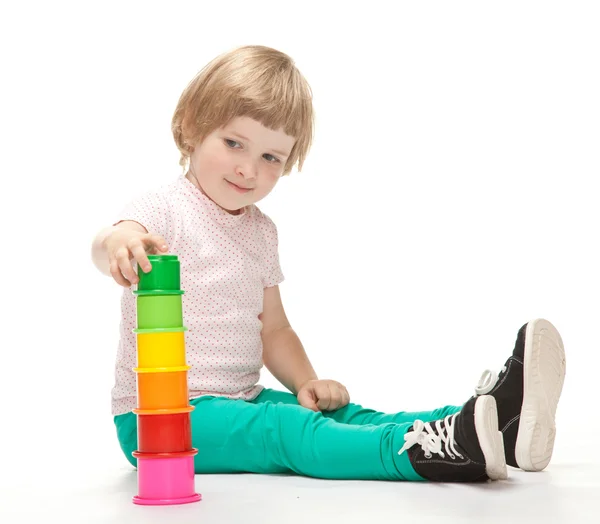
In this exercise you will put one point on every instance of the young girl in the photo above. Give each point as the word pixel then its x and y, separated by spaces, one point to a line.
pixel 243 122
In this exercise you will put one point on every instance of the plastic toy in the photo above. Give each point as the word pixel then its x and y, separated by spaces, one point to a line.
pixel 165 457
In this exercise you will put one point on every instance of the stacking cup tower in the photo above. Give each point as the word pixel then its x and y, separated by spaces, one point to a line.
pixel 165 457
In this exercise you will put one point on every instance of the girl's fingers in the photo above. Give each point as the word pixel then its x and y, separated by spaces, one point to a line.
pixel 346 397
pixel 155 244
pixel 126 267
pixel 139 255
pixel 160 243
pixel 336 397
pixel 116 273
pixel 324 395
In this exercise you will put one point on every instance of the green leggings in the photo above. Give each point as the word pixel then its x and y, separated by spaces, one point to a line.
pixel 273 434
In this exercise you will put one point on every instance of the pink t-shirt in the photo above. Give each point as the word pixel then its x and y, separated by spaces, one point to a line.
pixel 226 262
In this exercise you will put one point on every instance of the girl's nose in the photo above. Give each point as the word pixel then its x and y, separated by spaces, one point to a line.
pixel 248 171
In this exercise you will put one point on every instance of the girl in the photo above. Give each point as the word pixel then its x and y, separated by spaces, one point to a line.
pixel 243 122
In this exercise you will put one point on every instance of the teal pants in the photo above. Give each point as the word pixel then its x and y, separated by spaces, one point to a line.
pixel 273 434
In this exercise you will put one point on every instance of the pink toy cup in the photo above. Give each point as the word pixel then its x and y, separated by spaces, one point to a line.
pixel 166 478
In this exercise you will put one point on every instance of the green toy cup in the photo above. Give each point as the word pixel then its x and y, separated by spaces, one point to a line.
pixel 164 275
pixel 159 311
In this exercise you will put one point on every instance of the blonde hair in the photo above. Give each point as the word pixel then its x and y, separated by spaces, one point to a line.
pixel 252 81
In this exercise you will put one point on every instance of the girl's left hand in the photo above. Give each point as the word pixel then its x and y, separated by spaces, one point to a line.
pixel 323 395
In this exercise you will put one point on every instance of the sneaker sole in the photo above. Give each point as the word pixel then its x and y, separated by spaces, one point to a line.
pixel 490 438
pixel 544 370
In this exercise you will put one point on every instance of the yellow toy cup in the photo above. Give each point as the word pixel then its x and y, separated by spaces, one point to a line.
pixel 162 388
pixel 161 349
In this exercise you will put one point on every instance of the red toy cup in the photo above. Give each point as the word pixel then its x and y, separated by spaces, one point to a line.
pixel 164 433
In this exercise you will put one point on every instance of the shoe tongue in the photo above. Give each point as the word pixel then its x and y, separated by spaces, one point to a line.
pixel 519 350
pixel 465 433
pixel 443 432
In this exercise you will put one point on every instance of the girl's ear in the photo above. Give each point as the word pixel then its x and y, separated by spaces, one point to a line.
pixel 189 145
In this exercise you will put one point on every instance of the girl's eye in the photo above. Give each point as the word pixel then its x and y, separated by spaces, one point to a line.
pixel 229 142
pixel 274 161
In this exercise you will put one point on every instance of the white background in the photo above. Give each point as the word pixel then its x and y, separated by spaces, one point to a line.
pixel 450 196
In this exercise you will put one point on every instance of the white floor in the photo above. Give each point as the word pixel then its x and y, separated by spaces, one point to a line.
pixel 567 492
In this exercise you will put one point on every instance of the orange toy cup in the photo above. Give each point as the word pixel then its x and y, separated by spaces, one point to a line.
pixel 162 388
pixel 164 433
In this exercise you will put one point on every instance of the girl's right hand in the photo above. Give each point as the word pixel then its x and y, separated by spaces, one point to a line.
pixel 125 245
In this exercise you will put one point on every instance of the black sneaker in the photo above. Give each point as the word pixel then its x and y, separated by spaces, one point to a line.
pixel 527 391
pixel 464 447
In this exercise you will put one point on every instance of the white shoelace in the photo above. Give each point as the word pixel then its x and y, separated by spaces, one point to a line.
pixel 487 381
pixel 430 440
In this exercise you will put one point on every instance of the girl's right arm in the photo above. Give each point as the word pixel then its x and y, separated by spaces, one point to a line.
pixel 115 247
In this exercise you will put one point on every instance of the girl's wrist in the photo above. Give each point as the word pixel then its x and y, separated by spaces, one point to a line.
pixel 305 381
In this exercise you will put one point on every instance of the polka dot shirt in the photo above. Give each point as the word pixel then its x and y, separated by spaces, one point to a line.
pixel 226 262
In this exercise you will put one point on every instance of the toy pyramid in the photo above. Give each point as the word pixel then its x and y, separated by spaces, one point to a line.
pixel 165 457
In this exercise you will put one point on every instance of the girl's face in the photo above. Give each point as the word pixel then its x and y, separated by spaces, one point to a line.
pixel 240 163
